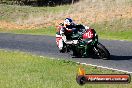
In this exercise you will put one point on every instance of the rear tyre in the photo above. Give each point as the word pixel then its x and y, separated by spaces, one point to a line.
pixel 51 3
pixel 64 49
pixel 102 52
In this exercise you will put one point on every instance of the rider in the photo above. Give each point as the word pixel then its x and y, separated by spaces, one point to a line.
pixel 68 28
pixel 66 31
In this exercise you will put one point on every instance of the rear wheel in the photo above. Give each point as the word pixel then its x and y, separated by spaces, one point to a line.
pixel 64 49
pixel 51 3
pixel 101 51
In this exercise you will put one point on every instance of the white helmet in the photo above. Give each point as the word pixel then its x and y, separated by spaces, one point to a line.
pixel 68 21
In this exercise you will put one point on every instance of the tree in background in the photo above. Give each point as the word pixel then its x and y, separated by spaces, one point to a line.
pixel 39 2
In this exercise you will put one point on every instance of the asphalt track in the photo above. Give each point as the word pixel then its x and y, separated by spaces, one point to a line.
pixel 121 51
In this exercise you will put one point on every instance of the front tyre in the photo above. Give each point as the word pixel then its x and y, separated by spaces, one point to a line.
pixel 101 51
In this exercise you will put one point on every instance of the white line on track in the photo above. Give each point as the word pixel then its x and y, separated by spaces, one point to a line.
pixel 106 67
pixel 98 66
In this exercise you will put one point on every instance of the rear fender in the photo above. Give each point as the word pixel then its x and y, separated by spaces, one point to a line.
pixel 58 39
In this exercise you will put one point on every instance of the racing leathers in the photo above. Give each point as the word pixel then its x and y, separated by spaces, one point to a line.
pixel 66 32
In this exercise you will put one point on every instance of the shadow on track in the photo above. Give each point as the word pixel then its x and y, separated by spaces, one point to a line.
pixel 113 57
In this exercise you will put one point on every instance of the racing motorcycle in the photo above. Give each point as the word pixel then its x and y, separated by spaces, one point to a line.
pixel 83 42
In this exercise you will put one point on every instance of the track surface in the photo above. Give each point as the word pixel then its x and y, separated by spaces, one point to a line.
pixel 121 51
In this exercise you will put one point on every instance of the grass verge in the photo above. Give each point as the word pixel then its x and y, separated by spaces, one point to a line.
pixel 120 29
pixel 111 19
pixel 104 32
pixel 16 13
pixel 23 70
pixel 41 31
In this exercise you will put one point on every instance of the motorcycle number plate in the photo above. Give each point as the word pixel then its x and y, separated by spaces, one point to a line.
pixel 88 34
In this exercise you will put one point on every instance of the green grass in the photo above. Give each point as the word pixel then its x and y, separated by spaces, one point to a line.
pixel 125 35
pixel 41 31
pixel 13 12
pixel 120 29
pixel 116 30
pixel 122 35
pixel 23 70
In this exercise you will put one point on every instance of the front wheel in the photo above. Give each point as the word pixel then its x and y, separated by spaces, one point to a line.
pixel 101 51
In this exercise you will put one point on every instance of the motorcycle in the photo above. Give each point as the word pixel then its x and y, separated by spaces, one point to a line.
pixel 83 42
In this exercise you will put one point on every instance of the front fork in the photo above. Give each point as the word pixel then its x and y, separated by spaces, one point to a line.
pixel 88 47
pixel 84 49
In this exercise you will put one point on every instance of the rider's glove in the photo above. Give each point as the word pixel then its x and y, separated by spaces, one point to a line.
pixel 86 27
pixel 69 29
pixel 61 31
pixel 73 29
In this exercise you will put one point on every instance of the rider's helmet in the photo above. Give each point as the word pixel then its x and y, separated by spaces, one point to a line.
pixel 68 21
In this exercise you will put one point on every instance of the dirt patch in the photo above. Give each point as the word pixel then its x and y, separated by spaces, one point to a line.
pixel 12 26
pixel 94 16
pixel 81 13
